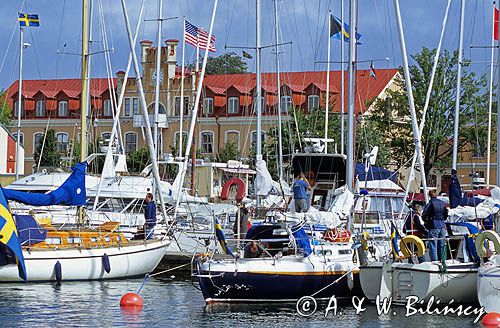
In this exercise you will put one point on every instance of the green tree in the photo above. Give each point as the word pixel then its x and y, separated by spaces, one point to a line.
pixel 5 110
pixel 138 160
pixel 47 154
pixel 228 63
pixel 229 152
pixel 389 126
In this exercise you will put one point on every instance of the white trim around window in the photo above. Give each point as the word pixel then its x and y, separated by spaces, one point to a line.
pixel 130 145
pixel 233 105
pixel 226 140
pixel 207 145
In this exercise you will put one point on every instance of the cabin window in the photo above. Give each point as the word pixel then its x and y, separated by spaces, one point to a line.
pixel 208 106
pixel 207 142
pixel 312 102
pixel 62 109
pixel 286 104
pixel 93 239
pixel 233 105
pixel 107 108
pixel 53 240
pixel 107 239
pixel 62 142
pixel 40 108
pixel 130 142
pixel 74 240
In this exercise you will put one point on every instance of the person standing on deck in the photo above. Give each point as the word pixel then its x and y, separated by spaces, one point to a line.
pixel 300 188
pixel 150 216
pixel 435 215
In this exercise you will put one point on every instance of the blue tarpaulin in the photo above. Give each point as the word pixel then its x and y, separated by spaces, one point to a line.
pixel 302 240
pixel 455 194
pixel 72 192
pixel 30 232
pixel 375 173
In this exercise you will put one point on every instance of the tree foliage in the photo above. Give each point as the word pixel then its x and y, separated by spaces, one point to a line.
pixel 228 63
pixel 138 160
pixel 48 152
pixel 5 110
pixel 229 152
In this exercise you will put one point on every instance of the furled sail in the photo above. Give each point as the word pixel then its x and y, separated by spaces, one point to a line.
pixel 72 192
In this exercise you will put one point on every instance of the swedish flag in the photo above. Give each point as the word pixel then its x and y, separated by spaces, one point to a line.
pixel 29 20
pixel 9 236
pixel 339 32
pixel 394 241
pixel 222 239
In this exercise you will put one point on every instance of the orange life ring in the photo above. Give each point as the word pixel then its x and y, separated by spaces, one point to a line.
pixel 241 189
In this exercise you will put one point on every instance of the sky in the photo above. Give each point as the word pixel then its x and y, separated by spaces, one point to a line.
pixel 55 44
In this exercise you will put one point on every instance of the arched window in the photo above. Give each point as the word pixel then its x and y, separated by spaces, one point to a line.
pixel 37 141
pixel 207 142
pixel 21 137
pixel 254 138
pixel 105 136
pixel 130 142
pixel 151 109
pixel 233 136
pixel 62 142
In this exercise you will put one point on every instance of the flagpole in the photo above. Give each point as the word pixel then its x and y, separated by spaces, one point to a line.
pixel 342 83
pixel 459 80
pixel 19 100
pixel 278 94
pixel 181 114
pixel 490 101
pixel 327 96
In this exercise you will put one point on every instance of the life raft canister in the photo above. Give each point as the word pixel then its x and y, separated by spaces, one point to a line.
pixel 241 189
pixel 337 235
pixel 407 242
pixel 482 237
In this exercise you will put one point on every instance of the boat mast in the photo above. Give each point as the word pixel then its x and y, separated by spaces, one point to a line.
pixel 350 108
pixel 498 111
pixel 19 100
pixel 409 90
pixel 157 81
pixel 342 84
pixel 327 95
pixel 84 100
pixel 181 114
pixel 459 80
pixel 145 115
pixel 490 99
pixel 278 93
pixel 258 101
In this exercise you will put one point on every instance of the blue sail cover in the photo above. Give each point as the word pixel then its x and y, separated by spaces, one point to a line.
pixel 30 231
pixel 72 192
pixel 375 173
pixel 455 194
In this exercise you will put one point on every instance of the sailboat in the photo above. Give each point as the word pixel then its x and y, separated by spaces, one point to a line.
pixel 81 253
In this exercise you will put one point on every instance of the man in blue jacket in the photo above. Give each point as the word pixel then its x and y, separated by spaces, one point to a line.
pixel 300 188
pixel 435 215
pixel 150 215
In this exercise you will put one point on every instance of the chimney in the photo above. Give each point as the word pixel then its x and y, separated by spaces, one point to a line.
pixel 145 45
pixel 171 57
pixel 120 76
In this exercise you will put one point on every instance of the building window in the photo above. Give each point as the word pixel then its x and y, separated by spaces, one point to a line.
pixel 16 109
pixel 233 105
pixel 105 136
pixel 21 138
pixel 135 105
pixel 62 109
pixel 262 104
pixel 177 140
pixel 177 105
pixel 127 107
pixel 130 142
pixel 107 108
pixel 208 106
pixel 286 104
pixel 254 138
pixel 62 142
pixel 207 142
pixel 233 137
pixel 37 141
pixel 312 102
pixel 40 108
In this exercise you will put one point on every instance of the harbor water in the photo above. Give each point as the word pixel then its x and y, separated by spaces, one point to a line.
pixel 176 302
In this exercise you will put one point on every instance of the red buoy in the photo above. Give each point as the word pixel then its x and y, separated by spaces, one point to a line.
pixel 491 319
pixel 131 300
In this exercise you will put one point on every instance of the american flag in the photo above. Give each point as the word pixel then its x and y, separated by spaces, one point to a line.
pixel 196 36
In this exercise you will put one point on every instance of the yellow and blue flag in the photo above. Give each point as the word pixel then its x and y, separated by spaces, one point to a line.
pixel 9 236
pixel 394 241
pixel 340 33
pixel 28 20
pixel 222 239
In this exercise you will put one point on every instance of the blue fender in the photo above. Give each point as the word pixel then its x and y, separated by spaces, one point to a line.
pixel 105 263
pixel 58 271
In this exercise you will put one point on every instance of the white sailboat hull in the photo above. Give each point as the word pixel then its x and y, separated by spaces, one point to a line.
pixel 88 264
pixel 488 286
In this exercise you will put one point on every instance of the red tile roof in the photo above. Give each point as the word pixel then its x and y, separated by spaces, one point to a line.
pixel 367 88
pixel 50 88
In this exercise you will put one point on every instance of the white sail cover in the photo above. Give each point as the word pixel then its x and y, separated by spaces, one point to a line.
pixel 263 181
